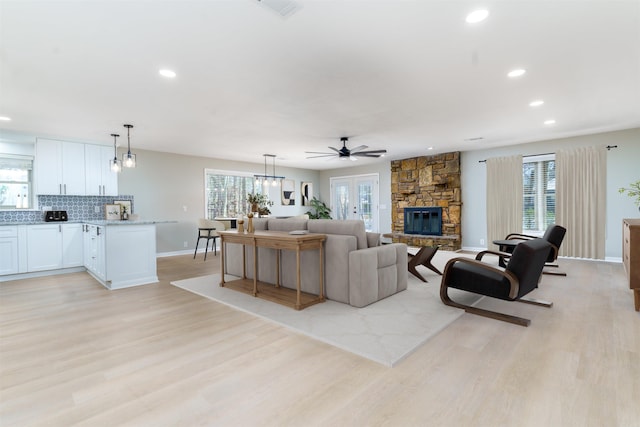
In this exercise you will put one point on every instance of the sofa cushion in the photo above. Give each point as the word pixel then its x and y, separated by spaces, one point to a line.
pixel 289 224
pixel 373 239
pixel 376 273
pixel 258 223
pixel 347 227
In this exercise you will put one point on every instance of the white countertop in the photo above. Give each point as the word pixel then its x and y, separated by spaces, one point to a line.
pixel 92 221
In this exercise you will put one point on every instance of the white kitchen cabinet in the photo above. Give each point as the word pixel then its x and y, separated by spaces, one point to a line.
pixel 53 246
pixel 72 245
pixel 94 252
pixel 9 250
pixel 44 243
pixel 120 256
pixel 100 179
pixel 86 246
pixel 59 167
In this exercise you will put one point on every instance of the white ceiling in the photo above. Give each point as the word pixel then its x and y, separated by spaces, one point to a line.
pixel 400 75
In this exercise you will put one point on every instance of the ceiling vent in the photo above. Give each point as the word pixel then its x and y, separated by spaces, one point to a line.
pixel 284 8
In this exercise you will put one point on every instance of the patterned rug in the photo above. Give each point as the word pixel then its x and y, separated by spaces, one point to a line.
pixel 385 332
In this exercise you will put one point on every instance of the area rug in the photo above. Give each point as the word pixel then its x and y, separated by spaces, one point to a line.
pixel 385 332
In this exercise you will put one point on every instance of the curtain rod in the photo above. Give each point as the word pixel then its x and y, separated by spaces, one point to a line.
pixel 609 147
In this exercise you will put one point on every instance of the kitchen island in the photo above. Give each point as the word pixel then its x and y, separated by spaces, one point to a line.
pixel 121 254
pixel 118 254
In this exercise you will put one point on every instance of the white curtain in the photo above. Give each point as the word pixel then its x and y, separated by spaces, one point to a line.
pixel 581 200
pixel 504 197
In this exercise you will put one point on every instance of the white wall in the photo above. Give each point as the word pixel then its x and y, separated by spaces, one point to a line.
pixel 382 168
pixel 623 167
pixel 163 184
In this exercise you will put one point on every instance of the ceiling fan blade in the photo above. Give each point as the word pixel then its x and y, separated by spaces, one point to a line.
pixel 319 152
pixel 321 155
pixel 335 149
pixel 368 155
pixel 372 152
pixel 359 148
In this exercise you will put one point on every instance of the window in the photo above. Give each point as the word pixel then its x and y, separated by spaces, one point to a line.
pixel 226 193
pixel 539 192
pixel 15 181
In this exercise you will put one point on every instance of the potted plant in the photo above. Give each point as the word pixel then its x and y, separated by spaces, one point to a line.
pixel 259 203
pixel 322 211
pixel 633 191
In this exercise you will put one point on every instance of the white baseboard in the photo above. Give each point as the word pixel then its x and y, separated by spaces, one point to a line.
pixel 41 273
pixel 183 252
pixel 473 249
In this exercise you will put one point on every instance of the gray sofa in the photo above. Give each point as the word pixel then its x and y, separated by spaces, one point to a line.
pixel 358 271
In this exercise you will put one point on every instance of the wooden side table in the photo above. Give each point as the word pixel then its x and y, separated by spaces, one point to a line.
pixel 423 257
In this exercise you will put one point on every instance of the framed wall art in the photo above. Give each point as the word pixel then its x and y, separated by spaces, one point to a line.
pixel 112 212
pixel 288 192
pixel 306 193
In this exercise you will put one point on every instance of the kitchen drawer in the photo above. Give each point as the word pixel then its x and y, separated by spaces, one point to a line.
pixel 9 231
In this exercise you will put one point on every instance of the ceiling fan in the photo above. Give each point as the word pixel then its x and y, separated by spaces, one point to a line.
pixel 344 153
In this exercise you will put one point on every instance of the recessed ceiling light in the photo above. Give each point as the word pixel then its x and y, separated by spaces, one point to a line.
pixel 167 73
pixel 536 103
pixel 550 122
pixel 5 119
pixel 477 16
pixel 430 148
pixel 517 72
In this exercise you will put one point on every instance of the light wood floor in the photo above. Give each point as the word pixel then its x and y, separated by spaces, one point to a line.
pixel 73 353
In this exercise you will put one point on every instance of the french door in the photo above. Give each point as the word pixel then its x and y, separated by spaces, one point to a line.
pixel 356 197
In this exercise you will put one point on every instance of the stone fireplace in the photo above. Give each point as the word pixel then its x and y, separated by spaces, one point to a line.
pixel 427 182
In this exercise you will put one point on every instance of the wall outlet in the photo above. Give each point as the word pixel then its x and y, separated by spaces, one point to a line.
pixel 482 241
pixel 96 209
pixel 47 208
pixel 186 244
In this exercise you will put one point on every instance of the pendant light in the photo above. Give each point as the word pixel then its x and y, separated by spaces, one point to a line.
pixel 264 179
pixel 128 159
pixel 274 182
pixel 115 164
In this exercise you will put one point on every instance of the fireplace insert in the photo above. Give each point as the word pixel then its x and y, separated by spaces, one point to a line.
pixel 423 220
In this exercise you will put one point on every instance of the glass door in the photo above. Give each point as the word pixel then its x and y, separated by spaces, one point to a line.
pixel 356 197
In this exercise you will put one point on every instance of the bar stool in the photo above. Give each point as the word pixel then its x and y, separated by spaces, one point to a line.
pixel 207 230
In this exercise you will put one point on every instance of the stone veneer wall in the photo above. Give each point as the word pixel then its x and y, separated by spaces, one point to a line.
pixel 427 181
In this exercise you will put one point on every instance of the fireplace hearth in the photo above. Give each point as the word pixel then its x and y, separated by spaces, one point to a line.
pixel 423 220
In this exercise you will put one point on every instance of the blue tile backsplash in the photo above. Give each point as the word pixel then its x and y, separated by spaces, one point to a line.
pixel 77 207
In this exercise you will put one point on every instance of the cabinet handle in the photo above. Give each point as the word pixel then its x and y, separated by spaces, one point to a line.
pixel 60 190
pixel 97 231
pixel 65 189
pixel 59 228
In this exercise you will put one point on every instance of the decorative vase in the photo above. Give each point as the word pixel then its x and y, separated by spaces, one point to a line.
pixel 250 228
pixel 240 226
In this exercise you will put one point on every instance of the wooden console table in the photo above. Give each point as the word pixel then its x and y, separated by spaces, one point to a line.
pixel 631 256
pixel 277 240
